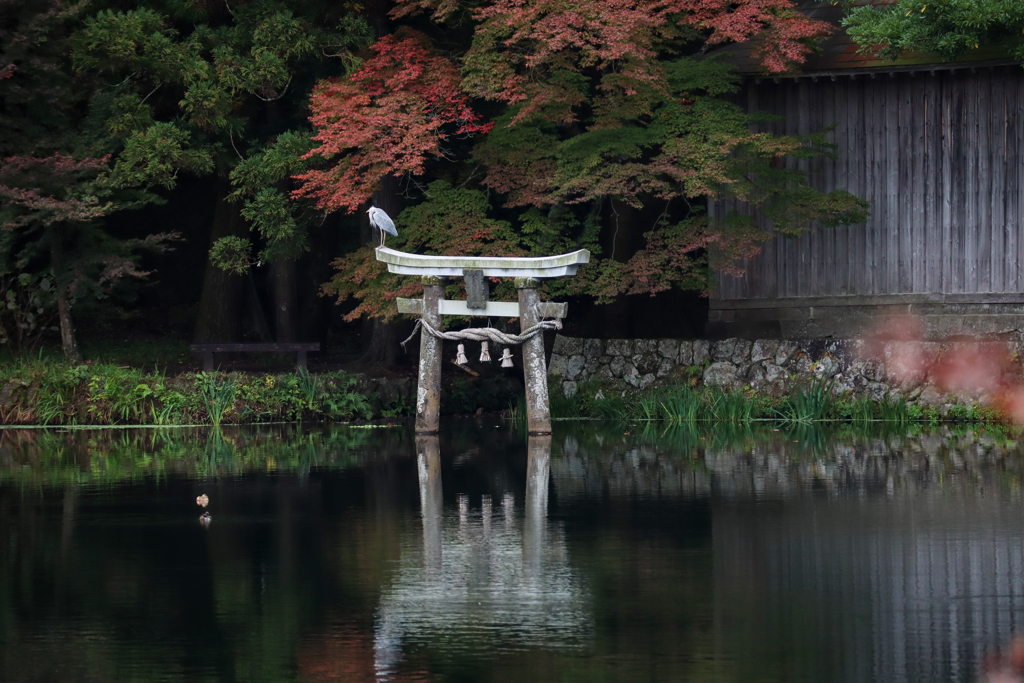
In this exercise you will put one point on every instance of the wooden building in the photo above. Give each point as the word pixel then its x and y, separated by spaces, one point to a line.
pixel 937 149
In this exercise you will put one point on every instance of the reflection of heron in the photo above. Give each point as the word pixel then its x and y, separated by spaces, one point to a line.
pixel 380 220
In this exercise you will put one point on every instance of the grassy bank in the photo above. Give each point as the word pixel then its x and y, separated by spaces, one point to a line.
pixel 48 393
pixel 42 393
pixel 812 403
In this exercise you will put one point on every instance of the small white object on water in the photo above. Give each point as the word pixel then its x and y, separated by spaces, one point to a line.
pixel 485 355
pixel 460 357
pixel 506 358
pixel 205 519
pixel 202 500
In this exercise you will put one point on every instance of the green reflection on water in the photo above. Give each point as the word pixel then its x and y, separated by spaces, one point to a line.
pixel 107 456
pixel 106 574
pixel 98 456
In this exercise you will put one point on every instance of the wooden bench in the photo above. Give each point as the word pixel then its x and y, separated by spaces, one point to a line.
pixel 209 349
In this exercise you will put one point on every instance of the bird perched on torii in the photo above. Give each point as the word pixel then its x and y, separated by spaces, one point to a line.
pixel 380 220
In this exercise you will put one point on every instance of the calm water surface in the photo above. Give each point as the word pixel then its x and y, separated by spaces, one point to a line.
pixel 602 553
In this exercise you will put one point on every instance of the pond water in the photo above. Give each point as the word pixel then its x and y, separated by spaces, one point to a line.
pixel 602 553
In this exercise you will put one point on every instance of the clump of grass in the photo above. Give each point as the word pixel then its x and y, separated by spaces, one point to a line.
pixel 648 408
pixel 517 411
pixel 302 396
pixel 612 407
pixel 339 398
pixel 55 389
pixel 811 403
pixel 120 395
pixel 861 410
pixel 728 406
pixel 309 386
pixel 682 405
pixel 563 406
pixel 894 409
pixel 218 396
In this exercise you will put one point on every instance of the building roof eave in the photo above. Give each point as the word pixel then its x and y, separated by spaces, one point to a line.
pixel 874 72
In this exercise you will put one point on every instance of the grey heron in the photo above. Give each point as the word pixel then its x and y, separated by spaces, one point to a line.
pixel 380 220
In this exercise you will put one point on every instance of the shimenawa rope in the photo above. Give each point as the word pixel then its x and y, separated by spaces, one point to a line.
pixel 485 333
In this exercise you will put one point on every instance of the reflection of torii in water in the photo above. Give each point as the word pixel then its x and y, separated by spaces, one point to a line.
pixel 495 585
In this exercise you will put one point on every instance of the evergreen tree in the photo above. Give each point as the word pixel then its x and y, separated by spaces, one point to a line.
pixel 949 28
pixel 56 179
pixel 219 88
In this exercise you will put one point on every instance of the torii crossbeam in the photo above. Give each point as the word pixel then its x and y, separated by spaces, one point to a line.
pixel 530 310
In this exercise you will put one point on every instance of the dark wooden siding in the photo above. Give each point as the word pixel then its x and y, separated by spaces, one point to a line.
pixel 938 155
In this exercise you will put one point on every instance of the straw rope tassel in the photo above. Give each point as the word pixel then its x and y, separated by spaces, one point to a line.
pixel 484 333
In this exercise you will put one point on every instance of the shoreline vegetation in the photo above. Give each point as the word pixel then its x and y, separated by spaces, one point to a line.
pixel 814 401
pixel 58 394
pixel 43 393
pixel 104 455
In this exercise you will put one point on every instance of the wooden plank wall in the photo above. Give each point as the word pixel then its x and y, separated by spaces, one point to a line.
pixel 938 156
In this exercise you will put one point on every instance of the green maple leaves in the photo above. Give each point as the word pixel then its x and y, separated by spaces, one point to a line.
pixel 949 28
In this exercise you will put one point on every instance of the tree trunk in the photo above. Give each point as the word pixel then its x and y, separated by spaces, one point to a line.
pixel 313 269
pixel 621 223
pixel 220 305
pixel 257 318
pixel 283 289
pixel 376 13
pixel 67 324
pixel 619 246
pixel 383 347
pixel 282 275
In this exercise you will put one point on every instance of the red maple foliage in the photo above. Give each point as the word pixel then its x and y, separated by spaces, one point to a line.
pixel 49 189
pixel 517 39
pixel 782 35
pixel 386 119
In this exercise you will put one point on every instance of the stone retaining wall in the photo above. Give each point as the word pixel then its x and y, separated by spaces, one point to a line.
pixel 912 369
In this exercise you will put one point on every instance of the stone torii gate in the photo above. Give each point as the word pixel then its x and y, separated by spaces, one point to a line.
pixel 530 310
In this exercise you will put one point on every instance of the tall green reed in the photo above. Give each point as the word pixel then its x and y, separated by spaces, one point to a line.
pixel 862 410
pixel 728 406
pixel 682 405
pixel 894 409
pixel 219 397
pixel 810 403
pixel 309 387
pixel 517 411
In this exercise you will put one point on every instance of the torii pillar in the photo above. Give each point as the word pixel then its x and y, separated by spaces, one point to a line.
pixel 428 388
pixel 535 372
